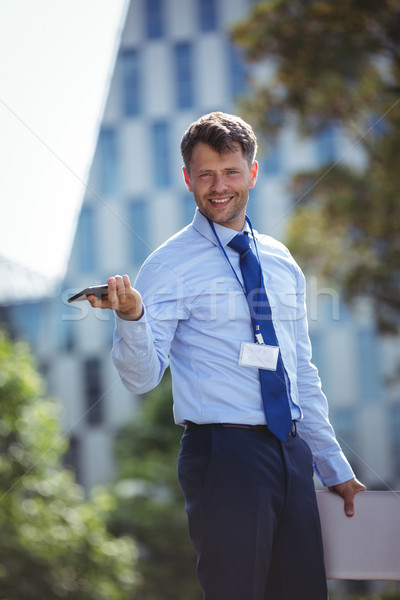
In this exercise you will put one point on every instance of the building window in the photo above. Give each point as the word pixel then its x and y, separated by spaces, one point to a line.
pixel 131 77
pixel 207 10
pixel 344 423
pixel 272 161
pixel 325 141
pixel 93 391
pixel 188 207
pixel 318 358
pixel 238 71
pixel 154 19
pixel 368 360
pixel 73 457
pixel 86 245
pixel 252 206
pixel 395 431
pixel 184 75
pixel 108 161
pixel 161 154
pixel 139 231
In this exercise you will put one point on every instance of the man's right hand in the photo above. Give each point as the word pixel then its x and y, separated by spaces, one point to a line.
pixel 121 297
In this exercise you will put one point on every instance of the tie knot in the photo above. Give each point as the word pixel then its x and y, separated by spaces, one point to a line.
pixel 240 243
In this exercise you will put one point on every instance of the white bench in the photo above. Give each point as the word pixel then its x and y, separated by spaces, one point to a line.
pixel 367 545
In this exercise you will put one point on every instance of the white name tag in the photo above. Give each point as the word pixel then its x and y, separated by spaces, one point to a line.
pixel 259 355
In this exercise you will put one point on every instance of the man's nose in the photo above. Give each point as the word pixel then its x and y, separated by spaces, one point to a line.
pixel 218 183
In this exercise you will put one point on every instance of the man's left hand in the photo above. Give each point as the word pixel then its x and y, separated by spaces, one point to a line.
pixel 347 490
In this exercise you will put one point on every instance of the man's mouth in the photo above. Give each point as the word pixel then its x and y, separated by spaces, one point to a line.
pixel 220 200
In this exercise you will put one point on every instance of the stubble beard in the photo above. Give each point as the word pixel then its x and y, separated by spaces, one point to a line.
pixel 236 210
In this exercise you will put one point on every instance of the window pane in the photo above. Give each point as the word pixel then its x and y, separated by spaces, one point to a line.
pixel 86 245
pixel 139 234
pixel 238 71
pixel 344 423
pixel 252 207
pixel 154 17
pixel 161 154
pixel 93 391
pixel 368 357
pixel 73 457
pixel 108 161
pixel 272 161
pixel 184 75
pixel 188 206
pixel 394 417
pixel 207 15
pixel 325 142
pixel 131 83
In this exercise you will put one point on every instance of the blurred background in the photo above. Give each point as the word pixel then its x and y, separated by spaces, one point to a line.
pixel 319 82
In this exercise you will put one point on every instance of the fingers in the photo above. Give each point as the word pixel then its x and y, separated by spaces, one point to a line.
pixel 121 296
pixel 347 491
pixel 120 293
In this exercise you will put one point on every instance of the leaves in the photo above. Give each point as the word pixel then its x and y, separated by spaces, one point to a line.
pixel 54 542
pixel 337 63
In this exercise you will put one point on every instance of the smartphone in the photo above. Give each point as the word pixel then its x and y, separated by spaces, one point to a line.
pixel 100 291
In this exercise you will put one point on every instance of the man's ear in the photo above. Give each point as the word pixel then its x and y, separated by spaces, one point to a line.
pixel 186 177
pixel 253 174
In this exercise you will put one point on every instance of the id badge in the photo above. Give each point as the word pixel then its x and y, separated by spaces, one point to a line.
pixel 260 356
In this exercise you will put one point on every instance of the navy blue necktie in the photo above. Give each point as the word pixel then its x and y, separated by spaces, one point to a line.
pixel 273 383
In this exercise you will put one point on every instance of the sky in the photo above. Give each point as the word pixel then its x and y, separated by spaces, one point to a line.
pixel 56 59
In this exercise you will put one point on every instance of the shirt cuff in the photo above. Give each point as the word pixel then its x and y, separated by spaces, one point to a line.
pixel 333 468
pixel 127 317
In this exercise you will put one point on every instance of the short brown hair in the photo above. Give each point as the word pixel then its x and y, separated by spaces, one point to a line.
pixel 219 130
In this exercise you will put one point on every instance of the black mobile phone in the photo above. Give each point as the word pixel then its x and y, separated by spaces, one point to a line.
pixel 99 291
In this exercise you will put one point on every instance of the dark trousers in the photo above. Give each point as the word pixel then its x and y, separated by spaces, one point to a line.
pixel 252 515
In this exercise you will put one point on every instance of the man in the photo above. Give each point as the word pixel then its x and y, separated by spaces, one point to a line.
pixel 256 420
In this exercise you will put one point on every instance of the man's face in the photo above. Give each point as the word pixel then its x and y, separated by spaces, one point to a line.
pixel 220 184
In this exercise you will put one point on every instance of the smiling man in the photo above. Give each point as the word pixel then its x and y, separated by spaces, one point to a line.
pixel 220 183
pixel 224 306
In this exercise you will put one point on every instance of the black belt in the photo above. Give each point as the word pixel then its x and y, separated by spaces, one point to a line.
pixel 190 425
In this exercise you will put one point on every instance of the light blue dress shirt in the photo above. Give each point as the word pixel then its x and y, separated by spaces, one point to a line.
pixel 196 318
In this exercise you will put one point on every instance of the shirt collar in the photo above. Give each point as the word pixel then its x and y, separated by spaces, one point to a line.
pixel 225 234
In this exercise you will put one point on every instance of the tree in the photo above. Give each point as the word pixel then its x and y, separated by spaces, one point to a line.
pixel 337 64
pixel 53 543
pixel 150 503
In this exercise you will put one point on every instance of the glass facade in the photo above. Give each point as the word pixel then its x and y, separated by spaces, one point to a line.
pixel 188 206
pixel 161 154
pixel 154 10
pixel 252 207
pixel 139 232
pixel 368 361
pixel 207 11
pixel 184 75
pixel 93 391
pixel 238 71
pixel 272 159
pixel 108 161
pixel 344 423
pixel 86 241
pixel 325 141
pixel 394 417
pixel 131 78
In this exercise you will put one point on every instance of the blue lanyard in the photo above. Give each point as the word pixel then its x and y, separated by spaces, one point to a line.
pixel 253 313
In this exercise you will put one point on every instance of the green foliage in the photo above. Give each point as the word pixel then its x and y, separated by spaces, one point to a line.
pixel 337 63
pixel 150 503
pixel 53 543
pixel 392 592
pixel 348 232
